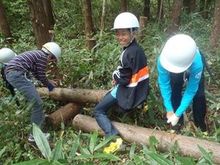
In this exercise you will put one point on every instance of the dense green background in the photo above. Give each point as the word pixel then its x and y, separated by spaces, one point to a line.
pixel 92 69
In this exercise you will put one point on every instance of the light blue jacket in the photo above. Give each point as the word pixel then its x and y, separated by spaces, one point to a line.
pixel 195 73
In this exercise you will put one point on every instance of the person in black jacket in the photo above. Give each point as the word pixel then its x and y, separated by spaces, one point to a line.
pixel 130 79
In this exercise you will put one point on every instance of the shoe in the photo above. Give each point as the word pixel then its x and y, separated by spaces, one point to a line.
pixel 114 146
pixel 31 137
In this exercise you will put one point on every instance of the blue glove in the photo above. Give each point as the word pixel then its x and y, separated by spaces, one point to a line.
pixel 50 87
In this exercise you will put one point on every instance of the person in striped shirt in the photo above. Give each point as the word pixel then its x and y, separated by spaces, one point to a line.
pixel 34 62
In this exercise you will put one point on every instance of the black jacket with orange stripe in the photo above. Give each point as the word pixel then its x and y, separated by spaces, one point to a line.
pixel 132 77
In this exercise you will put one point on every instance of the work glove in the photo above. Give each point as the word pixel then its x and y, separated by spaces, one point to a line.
pixel 114 146
pixel 50 87
pixel 169 114
pixel 173 120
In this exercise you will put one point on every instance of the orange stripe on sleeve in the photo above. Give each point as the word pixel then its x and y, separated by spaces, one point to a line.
pixel 141 73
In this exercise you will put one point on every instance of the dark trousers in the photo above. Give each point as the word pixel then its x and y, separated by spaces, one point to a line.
pixel 199 100
pixel 101 117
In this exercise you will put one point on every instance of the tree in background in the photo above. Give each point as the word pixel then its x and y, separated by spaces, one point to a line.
pixel 160 10
pixel 123 5
pixel 189 5
pixel 146 11
pixel 215 34
pixel 175 16
pixel 4 26
pixel 102 23
pixel 49 12
pixel 40 22
pixel 89 28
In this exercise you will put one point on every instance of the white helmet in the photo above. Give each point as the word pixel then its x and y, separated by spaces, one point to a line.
pixel 52 48
pixel 125 20
pixel 178 53
pixel 6 55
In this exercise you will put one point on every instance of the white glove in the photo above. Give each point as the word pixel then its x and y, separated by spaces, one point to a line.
pixel 173 120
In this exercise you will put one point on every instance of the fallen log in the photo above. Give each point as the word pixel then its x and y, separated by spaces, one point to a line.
pixel 188 146
pixel 63 114
pixel 73 95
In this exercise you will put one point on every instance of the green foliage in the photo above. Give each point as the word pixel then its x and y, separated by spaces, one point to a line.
pixel 82 68
pixel 207 157
pixel 42 142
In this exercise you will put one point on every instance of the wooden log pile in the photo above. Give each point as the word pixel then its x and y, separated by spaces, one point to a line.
pixel 188 146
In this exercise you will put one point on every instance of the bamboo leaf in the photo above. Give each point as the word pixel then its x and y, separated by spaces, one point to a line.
pixel 159 159
pixel 84 156
pixel 153 143
pixel 35 162
pixel 137 160
pixel 106 156
pixel 74 148
pixel 41 142
pixel 184 160
pixel 93 140
pixel 131 153
pixel 206 155
pixel 84 151
pixel 104 142
pixel 57 152
pixel 2 151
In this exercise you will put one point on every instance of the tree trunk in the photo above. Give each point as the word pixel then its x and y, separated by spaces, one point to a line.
pixel 147 8
pixel 189 5
pixel 188 146
pixel 175 16
pixel 215 34
pixel 159 10
pixel 124 5
pixel 74 95
pixel 102 24
pixel 49 13
pixel 39 22
pixel 4 26
pixel 89 28
pixel 63 114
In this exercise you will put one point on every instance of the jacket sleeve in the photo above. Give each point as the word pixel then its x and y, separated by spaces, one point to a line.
pixel 165 87
pixel 122 75
pixel 190 91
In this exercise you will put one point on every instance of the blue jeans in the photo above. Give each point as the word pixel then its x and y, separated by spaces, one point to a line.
pixel 19 81
pixel 101 117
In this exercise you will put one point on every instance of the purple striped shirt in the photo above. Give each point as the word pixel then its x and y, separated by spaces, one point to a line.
pixel 31 61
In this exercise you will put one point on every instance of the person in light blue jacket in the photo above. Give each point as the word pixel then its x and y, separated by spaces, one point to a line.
pixel 181 80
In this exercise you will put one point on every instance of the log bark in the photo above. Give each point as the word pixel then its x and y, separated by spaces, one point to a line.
pixel 82 96
pixel 188 146
pixel 63 114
